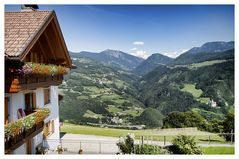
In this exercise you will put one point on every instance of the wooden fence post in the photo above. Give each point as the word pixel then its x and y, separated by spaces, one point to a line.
pixel 164 140
pixel 99 147
pixel 142 139
pixel 209 140
pixel 232 136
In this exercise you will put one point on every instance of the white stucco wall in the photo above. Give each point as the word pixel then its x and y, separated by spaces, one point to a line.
pixel 17 101
pixel 20 150
pixel 53 139
pixel 39 97
pixel 54 115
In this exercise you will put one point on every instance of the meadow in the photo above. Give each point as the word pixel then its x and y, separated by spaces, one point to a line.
pixel 155 134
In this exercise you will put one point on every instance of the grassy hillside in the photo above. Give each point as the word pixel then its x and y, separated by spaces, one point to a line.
pixel 191 89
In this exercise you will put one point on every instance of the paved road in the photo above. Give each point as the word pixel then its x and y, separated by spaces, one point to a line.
pixel 92 144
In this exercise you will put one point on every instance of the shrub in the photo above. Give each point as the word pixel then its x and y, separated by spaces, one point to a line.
pixel 183 144
pixel 126 146
pixel 149 149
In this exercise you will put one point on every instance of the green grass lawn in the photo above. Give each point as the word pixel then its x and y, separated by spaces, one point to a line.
pixel 204 100
pixel 133 112
pixel 157 134
pixel 191 89
pixel 218 150
pixel 90 114
pixel 205 63
pixel 113 109
pixel 201 64
pixel 119 83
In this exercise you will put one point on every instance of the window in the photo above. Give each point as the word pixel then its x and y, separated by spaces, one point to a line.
pixel 47 96
pixel 30 101
pixel 48 128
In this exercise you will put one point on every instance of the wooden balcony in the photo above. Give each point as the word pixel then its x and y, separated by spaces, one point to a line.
pixel 14 84
pixel 19 134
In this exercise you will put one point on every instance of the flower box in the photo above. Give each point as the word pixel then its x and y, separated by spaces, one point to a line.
pixel 30 68
pixel 24 124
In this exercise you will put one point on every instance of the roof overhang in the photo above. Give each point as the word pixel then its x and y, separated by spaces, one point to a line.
pixel 50 20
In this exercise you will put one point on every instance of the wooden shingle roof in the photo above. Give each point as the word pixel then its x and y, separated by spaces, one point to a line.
pixel 21 28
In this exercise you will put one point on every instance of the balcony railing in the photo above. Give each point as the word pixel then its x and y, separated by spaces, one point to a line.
pixel 19 76
pixel 18 132
pixel 15 83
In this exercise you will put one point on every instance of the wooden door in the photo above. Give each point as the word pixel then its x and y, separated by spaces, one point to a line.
pixel 6 120
pixel 29 146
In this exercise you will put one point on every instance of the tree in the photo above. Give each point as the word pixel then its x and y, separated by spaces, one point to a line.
pixel 228 125
pixel 150 117
pixel 184 119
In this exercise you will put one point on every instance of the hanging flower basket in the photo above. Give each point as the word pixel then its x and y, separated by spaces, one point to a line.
pixel 30 68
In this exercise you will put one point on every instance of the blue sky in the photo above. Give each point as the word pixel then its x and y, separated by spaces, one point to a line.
pixel 142 29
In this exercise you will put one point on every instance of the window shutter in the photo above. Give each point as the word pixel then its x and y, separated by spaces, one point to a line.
pixel 34 103
pixel 46 96
pixel 6 110
pixel 52 126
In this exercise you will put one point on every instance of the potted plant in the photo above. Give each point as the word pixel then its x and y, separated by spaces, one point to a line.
pixel 59 149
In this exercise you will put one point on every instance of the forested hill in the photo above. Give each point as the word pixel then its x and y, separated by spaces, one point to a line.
pixel 151 63
pixel 191 86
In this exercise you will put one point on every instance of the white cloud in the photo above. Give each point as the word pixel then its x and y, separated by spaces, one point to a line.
pixel 184 50
pixel 133 49
pixel 139 53
pixel 138 43
pixel 175 53
pixel 171 54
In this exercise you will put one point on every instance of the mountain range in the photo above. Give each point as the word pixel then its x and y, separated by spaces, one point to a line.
pixel 114 88
pixel 213 47
pixel 115 58
pixel 151 63
pixel 208 51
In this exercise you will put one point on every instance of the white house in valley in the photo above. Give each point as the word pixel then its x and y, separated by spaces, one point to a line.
pixel 36 58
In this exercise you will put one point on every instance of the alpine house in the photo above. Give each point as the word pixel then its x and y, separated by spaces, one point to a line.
pixel 36 58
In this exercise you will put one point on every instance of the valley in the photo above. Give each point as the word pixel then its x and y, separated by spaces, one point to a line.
pixel 101 93
pixel 104 94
